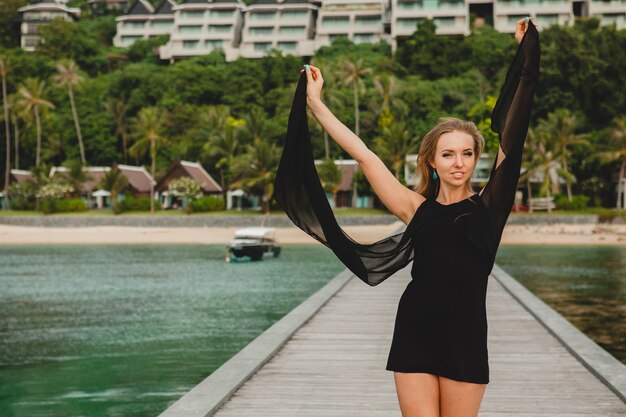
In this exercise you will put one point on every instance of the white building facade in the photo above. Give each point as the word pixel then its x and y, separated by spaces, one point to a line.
pixel 201 26
pixel 142 22
pixel 286 25
pixel 300 27
pixel 361 21
pixel 38 12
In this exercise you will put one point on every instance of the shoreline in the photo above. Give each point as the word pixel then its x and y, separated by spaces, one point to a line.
pixel 553 234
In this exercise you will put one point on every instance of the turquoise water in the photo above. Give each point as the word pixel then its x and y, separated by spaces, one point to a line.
pixel 585 284
pixel 126 330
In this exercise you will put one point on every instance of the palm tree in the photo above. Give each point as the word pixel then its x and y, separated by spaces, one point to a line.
pixel 617 140
pixel 117 108
pixel 5 104
pixel 331 94
pixel 559 127
pixel 225 139
pixel 330 177
pixel 32 91
pixel 393 144
pixel 17 113
pixel 70 77
pixel 147 128
pixel 114 182
pixel 541 160
pixel 353 72
pixel 387 87
pixel 257 169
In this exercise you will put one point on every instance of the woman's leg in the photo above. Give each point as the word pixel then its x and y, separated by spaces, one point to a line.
pixel 460 399
pixel 418 394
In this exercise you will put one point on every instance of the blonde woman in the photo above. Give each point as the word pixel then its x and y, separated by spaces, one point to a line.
pixel 439 349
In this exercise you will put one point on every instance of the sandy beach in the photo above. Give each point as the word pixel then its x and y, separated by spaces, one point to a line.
pixel 561 234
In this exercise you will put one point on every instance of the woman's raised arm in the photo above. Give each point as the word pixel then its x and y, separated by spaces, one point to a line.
pixel 510 120
pixel 398 199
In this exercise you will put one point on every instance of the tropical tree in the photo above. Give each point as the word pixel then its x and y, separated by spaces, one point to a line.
pixel 115 183
pixel 75 176
pixel 69 76
pixel 387 87
pixel 330 176
pixel 187 188
pixel 331 94
pixel 541 161
pixel 147 130
pixel 393 144
pixel 225 140
pixel 117 108
pixel 7 130
pixel 353 72
pixel 559 128
pixel 617 141
pixel 17 114
pixel 32 99
pixel 257 169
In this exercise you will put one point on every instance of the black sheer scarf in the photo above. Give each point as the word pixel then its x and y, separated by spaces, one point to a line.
pixel 298 189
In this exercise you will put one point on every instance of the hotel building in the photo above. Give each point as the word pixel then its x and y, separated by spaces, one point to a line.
pixel 38 12
pixel 287 25
pixel 142 21
pixel 201 26
pixel 300 27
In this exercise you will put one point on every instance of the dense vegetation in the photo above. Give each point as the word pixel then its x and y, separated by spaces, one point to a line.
pixel 78 98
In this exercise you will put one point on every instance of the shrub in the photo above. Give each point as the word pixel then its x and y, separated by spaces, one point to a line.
pixel 67 205
pixel 208 203
pixel 578 202
pixel 136 204
pixel 70 205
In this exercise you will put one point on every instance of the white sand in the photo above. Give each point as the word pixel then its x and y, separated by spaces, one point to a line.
pixel 546 234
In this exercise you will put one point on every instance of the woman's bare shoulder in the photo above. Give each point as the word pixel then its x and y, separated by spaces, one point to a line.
pixel 415 201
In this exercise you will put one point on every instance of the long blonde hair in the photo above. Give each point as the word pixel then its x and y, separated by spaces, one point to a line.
pixel 427 186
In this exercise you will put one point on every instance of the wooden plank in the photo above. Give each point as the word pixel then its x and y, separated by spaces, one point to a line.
pixel 334 365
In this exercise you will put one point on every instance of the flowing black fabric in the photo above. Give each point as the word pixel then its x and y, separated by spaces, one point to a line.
pixel 299 192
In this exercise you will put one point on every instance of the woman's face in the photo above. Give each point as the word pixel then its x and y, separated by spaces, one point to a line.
pixel 454 159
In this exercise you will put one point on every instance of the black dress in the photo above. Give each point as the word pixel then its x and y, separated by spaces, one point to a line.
pixel 441 324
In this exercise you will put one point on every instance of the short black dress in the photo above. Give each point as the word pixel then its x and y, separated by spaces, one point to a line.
pixel 441 324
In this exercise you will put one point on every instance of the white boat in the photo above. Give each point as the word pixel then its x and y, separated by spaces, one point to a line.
pixel 254 243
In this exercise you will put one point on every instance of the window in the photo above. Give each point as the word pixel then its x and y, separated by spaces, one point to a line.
pixel 337 35
pixel 547 19
pixel 410 22
pixel 445 22
pixel 367 21
pixel 220 14
pixel 261 31
pixel 610 18
pixel 263 15
pixel 162 24
pixel 214 43
pixel 512 19
pixel 192 14
pixel 451 3
pixel 291 30
pixel 294 14
pixel 410 5
pixel 129 40
pixel 190 29
pixel 363 37
pixel 220 28
pixel 190 44
pixel 287 46
pixel 336 21
pixel 262 46
pixel 135 25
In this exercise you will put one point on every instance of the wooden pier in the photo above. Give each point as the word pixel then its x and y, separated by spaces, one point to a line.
pixel 334 364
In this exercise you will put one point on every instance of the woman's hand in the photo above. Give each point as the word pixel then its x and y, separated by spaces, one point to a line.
pixel 521 27
pixel 313 85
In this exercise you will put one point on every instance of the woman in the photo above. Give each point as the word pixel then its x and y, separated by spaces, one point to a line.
pixel 439 348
